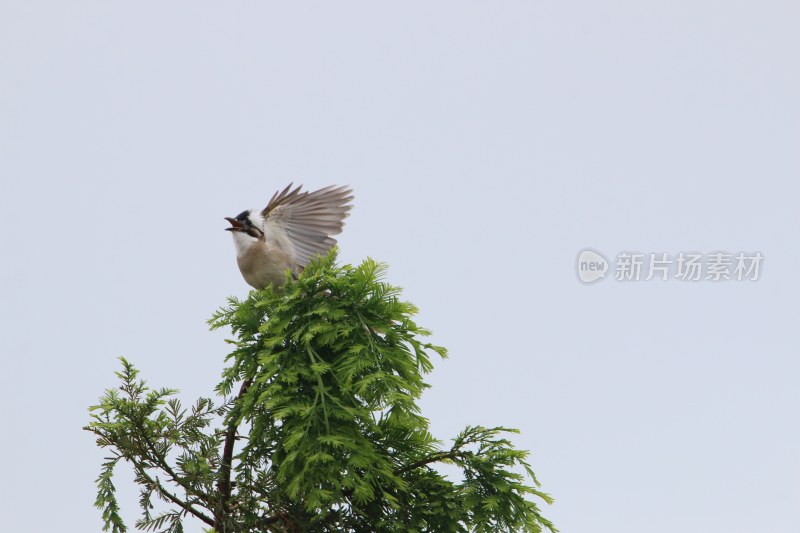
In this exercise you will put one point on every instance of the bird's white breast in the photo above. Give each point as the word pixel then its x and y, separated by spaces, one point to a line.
pixel 242 241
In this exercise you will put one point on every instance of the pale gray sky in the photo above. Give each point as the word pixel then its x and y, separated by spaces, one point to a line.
pixel 487 144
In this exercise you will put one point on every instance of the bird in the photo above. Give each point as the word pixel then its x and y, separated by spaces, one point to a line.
pixel 295 227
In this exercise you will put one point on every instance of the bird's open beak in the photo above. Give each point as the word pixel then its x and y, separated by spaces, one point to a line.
pixel 235 225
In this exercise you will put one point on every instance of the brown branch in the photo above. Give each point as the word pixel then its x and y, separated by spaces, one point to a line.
pixel 224 484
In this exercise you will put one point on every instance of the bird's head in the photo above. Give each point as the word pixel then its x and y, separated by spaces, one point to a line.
pixel 245 226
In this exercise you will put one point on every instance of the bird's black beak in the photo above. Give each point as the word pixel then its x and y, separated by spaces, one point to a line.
pixel 235 225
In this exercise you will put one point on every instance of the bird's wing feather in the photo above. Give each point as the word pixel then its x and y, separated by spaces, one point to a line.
pixel 309 218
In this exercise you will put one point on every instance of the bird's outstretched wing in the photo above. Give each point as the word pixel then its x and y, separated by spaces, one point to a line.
pixel 309 218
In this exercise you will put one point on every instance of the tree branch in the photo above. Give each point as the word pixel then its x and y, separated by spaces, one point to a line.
pixel 171 497
pixel 269 520
pixel 161 462
pixel 224 484
pixel 452 454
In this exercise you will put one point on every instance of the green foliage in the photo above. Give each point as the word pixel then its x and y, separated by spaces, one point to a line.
pixel 157 436
pixel 319 428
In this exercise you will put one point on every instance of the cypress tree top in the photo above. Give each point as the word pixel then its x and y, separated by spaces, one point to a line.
pixel 318 427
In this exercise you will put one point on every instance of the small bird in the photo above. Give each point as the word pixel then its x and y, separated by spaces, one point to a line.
pixel 293 228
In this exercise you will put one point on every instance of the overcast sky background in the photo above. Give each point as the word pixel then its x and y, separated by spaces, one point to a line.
pixel 487 144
